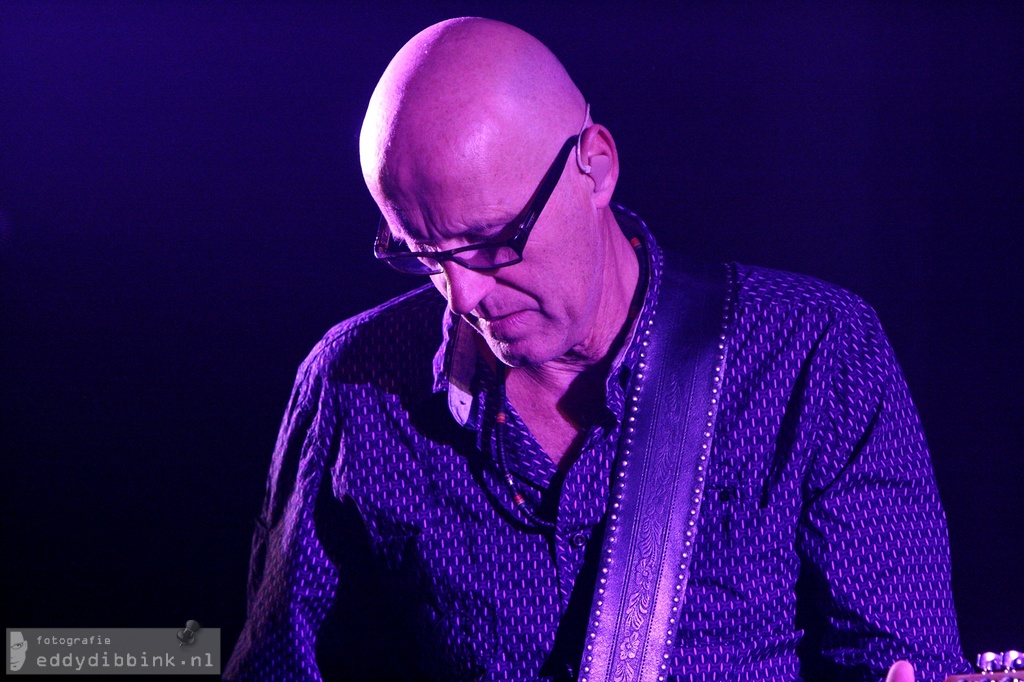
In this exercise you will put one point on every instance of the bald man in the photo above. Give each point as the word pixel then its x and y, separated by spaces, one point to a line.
pixel 449 496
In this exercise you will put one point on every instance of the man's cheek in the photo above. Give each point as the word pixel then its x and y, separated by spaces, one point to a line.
pixel 440 283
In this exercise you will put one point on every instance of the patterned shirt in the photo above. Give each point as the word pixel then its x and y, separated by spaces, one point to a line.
pixel 389 546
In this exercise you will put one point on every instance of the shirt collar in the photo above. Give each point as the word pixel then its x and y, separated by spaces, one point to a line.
pixel 455 363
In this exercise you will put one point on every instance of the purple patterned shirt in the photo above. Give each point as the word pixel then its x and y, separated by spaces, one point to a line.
pixel 389 547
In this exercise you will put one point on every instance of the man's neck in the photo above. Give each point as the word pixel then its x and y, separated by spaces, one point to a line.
pixel 558 411
pixel 560 399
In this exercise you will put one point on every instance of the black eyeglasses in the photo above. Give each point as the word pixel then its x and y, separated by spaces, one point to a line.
pixel 484 256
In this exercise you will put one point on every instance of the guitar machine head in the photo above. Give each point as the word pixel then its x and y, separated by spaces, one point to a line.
pixel 995 667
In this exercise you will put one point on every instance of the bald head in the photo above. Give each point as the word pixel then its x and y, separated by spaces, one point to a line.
pixel 464 99
pixel 462 135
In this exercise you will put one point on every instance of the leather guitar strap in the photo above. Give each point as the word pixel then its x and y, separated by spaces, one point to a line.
pixel 658 479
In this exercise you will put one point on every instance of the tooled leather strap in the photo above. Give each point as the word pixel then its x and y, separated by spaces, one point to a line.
pixel 659 477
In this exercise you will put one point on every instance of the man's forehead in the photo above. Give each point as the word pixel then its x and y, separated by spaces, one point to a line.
pixel 471 192
pixel 440 224
pixel 434 147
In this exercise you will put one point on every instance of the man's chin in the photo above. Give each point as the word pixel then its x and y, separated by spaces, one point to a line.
pixel 518 345
pixel 517 352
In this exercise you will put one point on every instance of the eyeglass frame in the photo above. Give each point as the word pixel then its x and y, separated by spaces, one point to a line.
pixel 524 223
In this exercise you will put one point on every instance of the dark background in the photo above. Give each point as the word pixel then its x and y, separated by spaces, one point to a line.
pixel 182 216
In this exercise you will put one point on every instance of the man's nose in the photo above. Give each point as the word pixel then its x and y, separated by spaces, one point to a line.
pixel 465 288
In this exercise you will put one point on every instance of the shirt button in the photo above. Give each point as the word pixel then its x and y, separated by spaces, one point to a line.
pixel 579 541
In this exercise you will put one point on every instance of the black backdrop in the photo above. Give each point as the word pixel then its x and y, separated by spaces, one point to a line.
pixel 182 216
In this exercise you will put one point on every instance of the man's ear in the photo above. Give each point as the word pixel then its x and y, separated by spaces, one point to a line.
pixel 599 167
pixel 597 150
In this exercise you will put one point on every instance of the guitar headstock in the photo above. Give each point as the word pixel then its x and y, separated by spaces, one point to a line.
pixel 995 667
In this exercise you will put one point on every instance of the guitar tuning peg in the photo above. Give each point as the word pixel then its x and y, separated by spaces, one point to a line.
pixel 1013 660
pixel 990 661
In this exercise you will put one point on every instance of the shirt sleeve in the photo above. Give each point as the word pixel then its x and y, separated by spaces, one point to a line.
pixel 291 581
pixel 872 536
